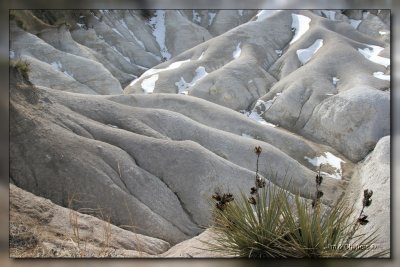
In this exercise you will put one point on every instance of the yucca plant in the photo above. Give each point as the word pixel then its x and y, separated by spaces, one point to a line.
pixel 274 223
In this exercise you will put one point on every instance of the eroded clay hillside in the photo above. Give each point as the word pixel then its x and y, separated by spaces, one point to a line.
pixel 144 114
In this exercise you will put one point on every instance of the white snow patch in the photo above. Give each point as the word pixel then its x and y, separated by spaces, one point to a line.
pixel 263 14
pixel 158 24
pixel 335 80
pixel 12 54
pixel 68 74
pixel 365 14
pixel 372 55
pixel 381 76
pixel 183 86
pixel 149 84
pixel 113 126
pixel 279 52
pixel 258 111
pixel 237 52
pixel 196 16
pixel 305 55
pixel 240 12
pixel 56 65
pixel 329 14
pixel 383 32
pixel 174 65
pixel 201 56
pixel 211 19
pixel 81 25
pixel 301 24
pixel 355 23
pixel 331 160
pixel 247 136
pixel 115 30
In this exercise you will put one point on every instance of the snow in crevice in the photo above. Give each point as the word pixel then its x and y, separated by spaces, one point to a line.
pixel 172 66
pixel 329 159
pixel 381 75
pixel 305 55
pixel 300 24
pixel 329 14
pixel 211 19
pixel 68 74
pixel 112 126
pixel 372 55
pixel 247 136
pixel 384 32
pixel 56 65
pixel 115 30
pixel 150 72
pixel 201 56
pixel 149 84
pixel 183 86
pixel 278 52
pixel 365 14
pixel 196 16
pixel 237 51
pixel 158 25
pixel 263 14
pixel 12 54
pixel 259 109
pixel 355 23
pixel 335 80
pixel 258 118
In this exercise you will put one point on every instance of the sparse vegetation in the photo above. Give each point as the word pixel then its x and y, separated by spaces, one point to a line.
pixel 146 13
pixel 22 66
pixel 274 223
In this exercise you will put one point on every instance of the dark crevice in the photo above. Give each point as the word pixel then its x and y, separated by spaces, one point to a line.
pixel 301 109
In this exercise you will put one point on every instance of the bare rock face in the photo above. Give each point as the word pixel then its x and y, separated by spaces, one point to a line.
pixel 144 114
pixel 352 121
pixel 373 173
pixel 196 247
pixel 39 228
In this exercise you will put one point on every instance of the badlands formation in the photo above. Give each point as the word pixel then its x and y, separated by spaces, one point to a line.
pixel 139 116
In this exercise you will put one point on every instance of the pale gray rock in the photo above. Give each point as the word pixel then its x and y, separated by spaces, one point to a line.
pixel 352 121
pixel 373 26
pixel 227 120
pixel 60 38
pixel 373 173
pixel 152 157
pixel 183 34
pixel 196 247
pixel 230 69
pixel 225 20
pixel 85 71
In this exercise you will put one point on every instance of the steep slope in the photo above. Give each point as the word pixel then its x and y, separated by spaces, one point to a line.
pixel 39 228
pixel 290 68
pixel 144 114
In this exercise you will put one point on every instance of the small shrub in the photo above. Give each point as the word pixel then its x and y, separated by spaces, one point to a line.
pixel 146 13
pixel 22 66
pixel 274 223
